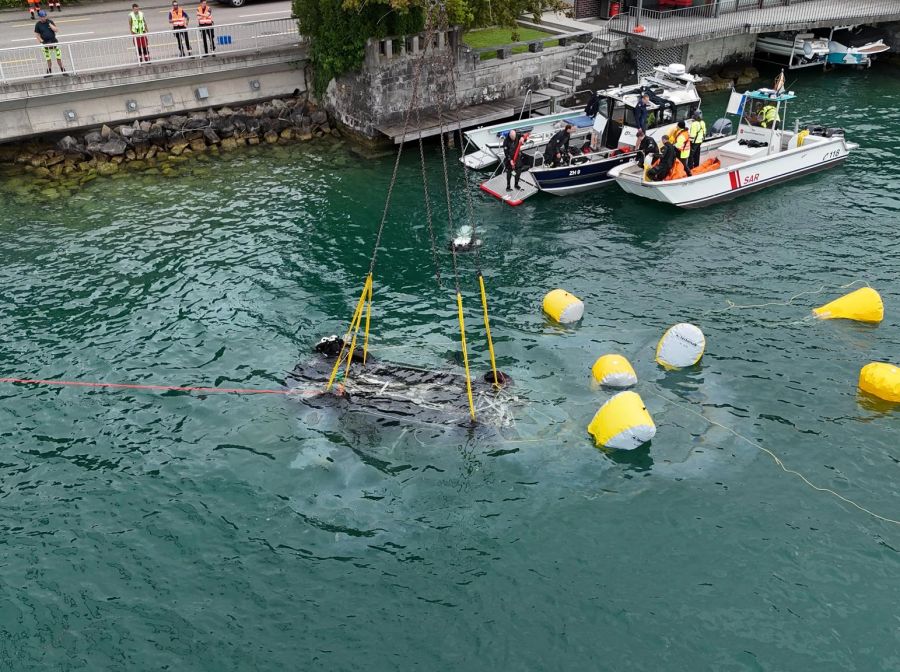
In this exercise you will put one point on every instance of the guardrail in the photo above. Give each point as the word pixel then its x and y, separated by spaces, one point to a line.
pixel 113 53
pixel 741 16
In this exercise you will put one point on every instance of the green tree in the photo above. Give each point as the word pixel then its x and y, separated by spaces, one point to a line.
pixel 338 32
pixel 338 29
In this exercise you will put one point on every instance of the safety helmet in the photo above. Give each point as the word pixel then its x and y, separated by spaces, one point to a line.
pixel 42 13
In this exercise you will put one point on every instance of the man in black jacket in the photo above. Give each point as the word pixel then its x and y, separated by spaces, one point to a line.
pixel 513 156
pixel 558 147
pixel 666 161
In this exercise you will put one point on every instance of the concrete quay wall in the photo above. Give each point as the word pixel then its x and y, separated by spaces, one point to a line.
pixel 58 105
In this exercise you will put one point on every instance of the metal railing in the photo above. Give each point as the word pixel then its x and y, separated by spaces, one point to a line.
pixel 113 53
pixel 729 17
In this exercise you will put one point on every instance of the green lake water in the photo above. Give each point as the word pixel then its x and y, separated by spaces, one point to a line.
pixel 167 531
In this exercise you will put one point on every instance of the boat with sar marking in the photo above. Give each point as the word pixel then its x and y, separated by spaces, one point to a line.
pixel 761 155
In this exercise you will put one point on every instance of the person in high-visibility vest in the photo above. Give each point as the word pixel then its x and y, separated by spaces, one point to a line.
pixel 179 21
pixel 138 27
pixel 768 116
pixel 683 145
pixel 205 21
pixel 697 134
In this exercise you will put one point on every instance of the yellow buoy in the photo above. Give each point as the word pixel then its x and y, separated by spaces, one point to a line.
pixel 863 305
pixel 614 371
pixel 881 380
pixel 622 422
pixel 682 345
pixel 563 307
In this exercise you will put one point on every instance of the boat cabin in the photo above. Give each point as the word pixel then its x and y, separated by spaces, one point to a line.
pixel 673 98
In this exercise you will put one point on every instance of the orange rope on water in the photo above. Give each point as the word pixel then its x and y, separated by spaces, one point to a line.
pixel 160 388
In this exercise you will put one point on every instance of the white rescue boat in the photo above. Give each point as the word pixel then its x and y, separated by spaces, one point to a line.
pixel 761 154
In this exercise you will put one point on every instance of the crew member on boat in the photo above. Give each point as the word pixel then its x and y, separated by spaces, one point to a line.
pixel 513 157
pixel 768 116
pixel 640 112
pixel 697 135
pixel 646 149
pixel 683 145
pixel 558 147
pixel 668 158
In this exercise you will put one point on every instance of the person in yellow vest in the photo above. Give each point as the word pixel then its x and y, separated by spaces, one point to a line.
pixel 768 116
pixel 138 27
pixel 179 21
pixel 205 21
pixel 697 133
pixel 683 145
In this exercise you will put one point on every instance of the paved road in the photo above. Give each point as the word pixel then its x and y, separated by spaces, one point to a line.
pixel 109 19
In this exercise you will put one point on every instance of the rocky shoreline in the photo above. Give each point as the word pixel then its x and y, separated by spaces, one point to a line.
pixel 736 76
pixel 157 146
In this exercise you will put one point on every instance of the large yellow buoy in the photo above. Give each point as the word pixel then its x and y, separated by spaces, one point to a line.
pixel 863 305
pixel 614 371
pixel 682 345
pixel 881 379
pixel 563 307
pixel 622 422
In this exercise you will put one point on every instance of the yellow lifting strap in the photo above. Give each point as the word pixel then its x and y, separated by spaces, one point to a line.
pixel 487 330
pixel 462 335
pixel 354 329
pixel 368 319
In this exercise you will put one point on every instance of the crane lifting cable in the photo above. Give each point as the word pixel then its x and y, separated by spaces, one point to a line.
pixel 344 350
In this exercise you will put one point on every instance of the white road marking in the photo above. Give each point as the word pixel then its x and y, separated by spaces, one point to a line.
pixel 31 25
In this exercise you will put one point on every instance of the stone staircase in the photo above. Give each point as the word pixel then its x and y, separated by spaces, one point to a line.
pixel 580 66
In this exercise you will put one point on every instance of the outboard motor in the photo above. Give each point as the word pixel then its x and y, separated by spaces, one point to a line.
pixel 817 130
pixel 722 127
pixel 834 132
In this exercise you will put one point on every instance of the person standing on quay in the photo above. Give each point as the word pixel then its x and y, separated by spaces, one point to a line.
pixel 205 21
pixel 45 30
pixel 179 21
pixel 34 6
pixel 138 27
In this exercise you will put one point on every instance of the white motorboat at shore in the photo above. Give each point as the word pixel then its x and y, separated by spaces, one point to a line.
pixel 804 47
pixel 756 158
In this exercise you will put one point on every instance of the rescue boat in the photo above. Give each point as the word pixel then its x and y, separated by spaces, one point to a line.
pixel 757 157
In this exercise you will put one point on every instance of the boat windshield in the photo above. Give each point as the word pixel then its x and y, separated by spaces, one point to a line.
pixel 657 116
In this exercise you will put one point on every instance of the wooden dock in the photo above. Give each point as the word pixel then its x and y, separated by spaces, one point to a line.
pixel 470 117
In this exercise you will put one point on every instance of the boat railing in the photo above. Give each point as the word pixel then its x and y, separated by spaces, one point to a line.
pixel 729 17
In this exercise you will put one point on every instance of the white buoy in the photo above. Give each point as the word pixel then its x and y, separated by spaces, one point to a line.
pixel 682 345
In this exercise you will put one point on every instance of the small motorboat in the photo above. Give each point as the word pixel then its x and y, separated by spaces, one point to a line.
pixel 802 48
pixel 759 156
pixel 840 54
pixel 488 140
pixel 673 97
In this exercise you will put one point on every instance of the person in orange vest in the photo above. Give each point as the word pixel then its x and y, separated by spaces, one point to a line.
pixel 34 6
pixel 179 21
pixel 683 145
pixel 205 21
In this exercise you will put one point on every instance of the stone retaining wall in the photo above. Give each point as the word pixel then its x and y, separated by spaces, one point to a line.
pixel 157 145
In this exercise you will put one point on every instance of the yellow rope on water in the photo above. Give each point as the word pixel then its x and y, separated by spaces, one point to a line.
pixel 368 318
pixel 462 336
pixel 354 322
pixel 778 461
pixel 487 330
pixel 730 304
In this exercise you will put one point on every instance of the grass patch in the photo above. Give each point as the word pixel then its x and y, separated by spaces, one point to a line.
pixel 497 37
